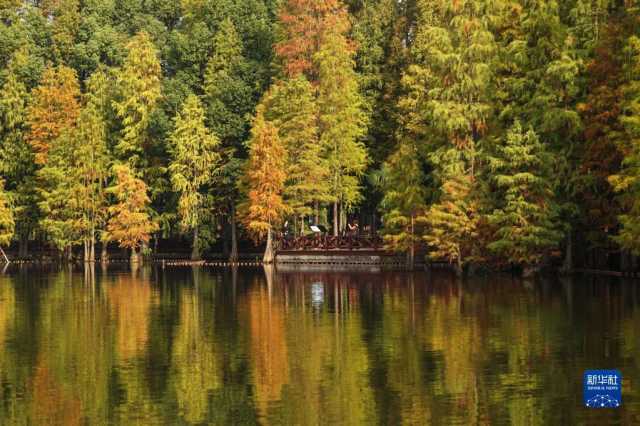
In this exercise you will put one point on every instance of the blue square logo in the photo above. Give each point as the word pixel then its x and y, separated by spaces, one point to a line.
pixel 602 389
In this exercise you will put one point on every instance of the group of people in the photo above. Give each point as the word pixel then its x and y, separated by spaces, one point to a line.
pixel 352 229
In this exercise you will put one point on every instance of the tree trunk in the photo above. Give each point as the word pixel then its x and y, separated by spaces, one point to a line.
pixel 23 247
pixel 335 218
pixel 104 255
pixel 374 226
pixel 195 251
pixel 459 267
pixel 302 226
pixel 134 256
pixel 92 249
pixel 143 250
pixel 412 248
pixel 568 256
pixel 268 252
pixel 233 257
pixel 316 210
pixel 85 256
pixel 226 236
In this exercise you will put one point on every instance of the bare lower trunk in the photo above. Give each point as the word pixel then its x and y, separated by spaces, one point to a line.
pixel 316 211
pixel 233 257
pixel 459 267
pixel 23 247
pixel 134 256
pixel 335 219
pixel 226 236
pixel 268 252
pixel 92 249
pixel 195 251
pixel 568 257
pixel 412 248
pixel 104 255
pixel 144 250
pixel 301 226
pixel 85 245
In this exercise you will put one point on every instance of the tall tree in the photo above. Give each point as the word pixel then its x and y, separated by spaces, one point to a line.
pixel 539 75
pixel 448 108
pixel 195 162
pixel 342 122
pixel 291 106
pixel 527 215
pixel 452 223
pixel 91 170
pixel 265 178
pixel 139 88
pixel 129 222
pixel 627 181
pixel 228 95
pixel 65 17
pixel 7 224
pixel 54 108
pixel 17 164
pixel 230 86
pixel 305 24
pixel 404 200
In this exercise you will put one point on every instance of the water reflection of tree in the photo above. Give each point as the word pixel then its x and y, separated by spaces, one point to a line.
pixel 194 362
pixel 375 348
pixel 130 301
pixel 268 346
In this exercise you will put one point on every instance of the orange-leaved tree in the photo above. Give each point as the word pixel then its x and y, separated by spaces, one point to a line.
pixel 54 108
pixel 304 24
pixel 264 177
pixel 130 224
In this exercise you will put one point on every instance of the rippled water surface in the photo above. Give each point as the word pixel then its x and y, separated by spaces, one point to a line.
pixel 203 346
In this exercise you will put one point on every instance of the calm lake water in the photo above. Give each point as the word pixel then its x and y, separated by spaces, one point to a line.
pixel 206 346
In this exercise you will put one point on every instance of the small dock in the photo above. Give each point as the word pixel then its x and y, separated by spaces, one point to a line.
pixel 337 258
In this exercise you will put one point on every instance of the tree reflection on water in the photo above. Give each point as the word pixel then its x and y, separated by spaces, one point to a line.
pixel 262 346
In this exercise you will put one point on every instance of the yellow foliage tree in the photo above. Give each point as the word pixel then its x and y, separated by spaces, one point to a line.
pixel 129 224
pixel 265 177
pixel 54 108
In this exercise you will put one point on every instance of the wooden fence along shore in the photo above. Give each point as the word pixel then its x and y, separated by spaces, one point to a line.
pixel 320 252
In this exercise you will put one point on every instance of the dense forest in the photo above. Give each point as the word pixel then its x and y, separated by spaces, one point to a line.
pixel 499 132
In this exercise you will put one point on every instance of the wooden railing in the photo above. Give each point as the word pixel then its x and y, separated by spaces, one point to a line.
pixel 329 242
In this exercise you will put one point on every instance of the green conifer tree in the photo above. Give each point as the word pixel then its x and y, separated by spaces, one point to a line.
pixel 527 216
pixel 195 162
pixel 627 181
pixel 138 83
pixel 452 223
pixel 229 97
pixel 404 200
pixel 291 106
pixel 17 162
pixel 7 224
pixel 342 122
pixel 448 108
